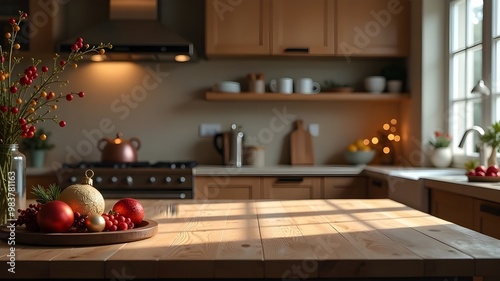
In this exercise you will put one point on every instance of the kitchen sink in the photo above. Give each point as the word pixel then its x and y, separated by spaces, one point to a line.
pixel 417 173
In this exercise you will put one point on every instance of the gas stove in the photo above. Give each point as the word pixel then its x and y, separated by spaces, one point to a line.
pixel 165 180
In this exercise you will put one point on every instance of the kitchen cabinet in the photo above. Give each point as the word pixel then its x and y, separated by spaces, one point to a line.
pixel 379 28
pixel 308 27
pixel 226 187
pixel 453 207
pixel 291 187
pixel 345 187
pixel 303 27
pixel 237 27
pixel 487 217
pixel 377 188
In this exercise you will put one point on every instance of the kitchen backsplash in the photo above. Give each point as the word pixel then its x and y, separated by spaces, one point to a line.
pixel 163 104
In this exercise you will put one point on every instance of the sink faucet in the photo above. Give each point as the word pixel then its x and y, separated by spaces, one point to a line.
pixel 482 148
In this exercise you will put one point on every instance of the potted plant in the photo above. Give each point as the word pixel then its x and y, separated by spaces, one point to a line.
pixel 441 155
pixel 331 86
pixel 37 147
pixel 491 137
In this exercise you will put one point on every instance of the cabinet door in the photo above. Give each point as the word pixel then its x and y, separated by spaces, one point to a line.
pixel 344 187
pixel 453 207
pixel 289 187
pixel 224 187
pixel 237 27
pixel 303 27
pixel 373 27
pixel 487 218
pixel 377 189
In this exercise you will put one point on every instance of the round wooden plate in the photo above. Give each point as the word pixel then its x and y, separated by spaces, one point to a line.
pixel 483 179
pixel 146 229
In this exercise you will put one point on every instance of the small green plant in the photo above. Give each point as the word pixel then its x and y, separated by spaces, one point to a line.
pixel 492 135
pixel 39 141
pixel 440 140
pixel 330 84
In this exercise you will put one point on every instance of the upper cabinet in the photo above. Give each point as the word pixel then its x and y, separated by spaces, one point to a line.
pixel 373 27
pixel 303 27
pixel 308 27
pixel 237 27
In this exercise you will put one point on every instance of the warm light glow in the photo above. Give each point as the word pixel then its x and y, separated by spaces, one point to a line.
pixel 117 141
pixel 393 129
pixel 394 121
pixel 366 141
pixel 386 126
pixel 374 140
pixel 182 58
pixel 97 58
pixel 390 137
pixel 397 138
pixel 386 150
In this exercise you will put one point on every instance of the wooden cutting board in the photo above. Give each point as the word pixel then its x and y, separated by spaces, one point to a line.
pixel 301 150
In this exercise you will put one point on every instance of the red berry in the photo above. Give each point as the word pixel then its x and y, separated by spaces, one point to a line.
pixel 4 108
pixel 14 110
pixel 22 121
pixel 13 89
pixel 45 69
pixel 62 123
pixel 113 228
pixel 32 129
pixel 12 21
pixel 23 80
pixel 2 59
pixel 69 97
pixel 51 95
pixel 24 128
pixel 62 63
pixel 81 94
pixel 122 226
pixel 24 135
pixel 24 15
pixel 74 47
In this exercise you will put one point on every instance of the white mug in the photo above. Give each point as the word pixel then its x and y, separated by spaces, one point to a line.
pixel 306 86
pixel 282 85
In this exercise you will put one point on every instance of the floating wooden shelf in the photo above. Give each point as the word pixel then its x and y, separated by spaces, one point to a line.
pixel 245 96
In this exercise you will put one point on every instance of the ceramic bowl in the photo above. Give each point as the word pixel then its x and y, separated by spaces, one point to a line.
pixel 359 157
pixel 375 84
pixel 227 87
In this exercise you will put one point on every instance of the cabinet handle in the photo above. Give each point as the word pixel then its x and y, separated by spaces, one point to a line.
pixel 297 50
pixel 490 210
pixel 289 179
pixel 377 183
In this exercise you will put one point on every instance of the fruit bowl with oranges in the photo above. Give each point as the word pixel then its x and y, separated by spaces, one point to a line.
pixel 359 153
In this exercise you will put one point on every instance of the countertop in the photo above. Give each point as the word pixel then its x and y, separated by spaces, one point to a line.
pixel 350 238
pixel 279 170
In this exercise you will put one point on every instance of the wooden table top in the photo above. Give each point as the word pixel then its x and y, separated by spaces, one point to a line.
pixel 274 239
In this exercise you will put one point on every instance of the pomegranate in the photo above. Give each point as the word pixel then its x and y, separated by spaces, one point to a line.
pixel 55 216
pixel 131 208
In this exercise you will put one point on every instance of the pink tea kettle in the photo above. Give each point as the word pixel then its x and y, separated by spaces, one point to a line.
pixel 118 149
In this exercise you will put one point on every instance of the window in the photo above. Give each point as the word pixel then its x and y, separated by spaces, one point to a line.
pixel 474 41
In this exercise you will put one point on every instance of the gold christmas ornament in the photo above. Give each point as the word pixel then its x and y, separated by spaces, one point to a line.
pixel 95 223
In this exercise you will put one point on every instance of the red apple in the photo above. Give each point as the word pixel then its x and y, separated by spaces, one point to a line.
pixel 480 174
pixel 481 168
pixel 471 173
pixel 492 169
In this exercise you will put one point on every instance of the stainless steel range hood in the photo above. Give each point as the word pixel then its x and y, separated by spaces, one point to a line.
pixel 136 33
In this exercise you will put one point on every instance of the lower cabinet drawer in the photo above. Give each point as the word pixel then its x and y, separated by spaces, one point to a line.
pixel 291 187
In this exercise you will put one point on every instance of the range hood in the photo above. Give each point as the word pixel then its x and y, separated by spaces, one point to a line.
pixel 136 34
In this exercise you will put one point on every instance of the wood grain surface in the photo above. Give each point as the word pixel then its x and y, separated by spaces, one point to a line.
pixel 337 238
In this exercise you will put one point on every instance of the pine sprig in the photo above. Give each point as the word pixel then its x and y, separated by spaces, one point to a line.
pixel 44 195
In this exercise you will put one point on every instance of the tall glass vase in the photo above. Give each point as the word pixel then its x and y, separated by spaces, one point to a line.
pixel 13 182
